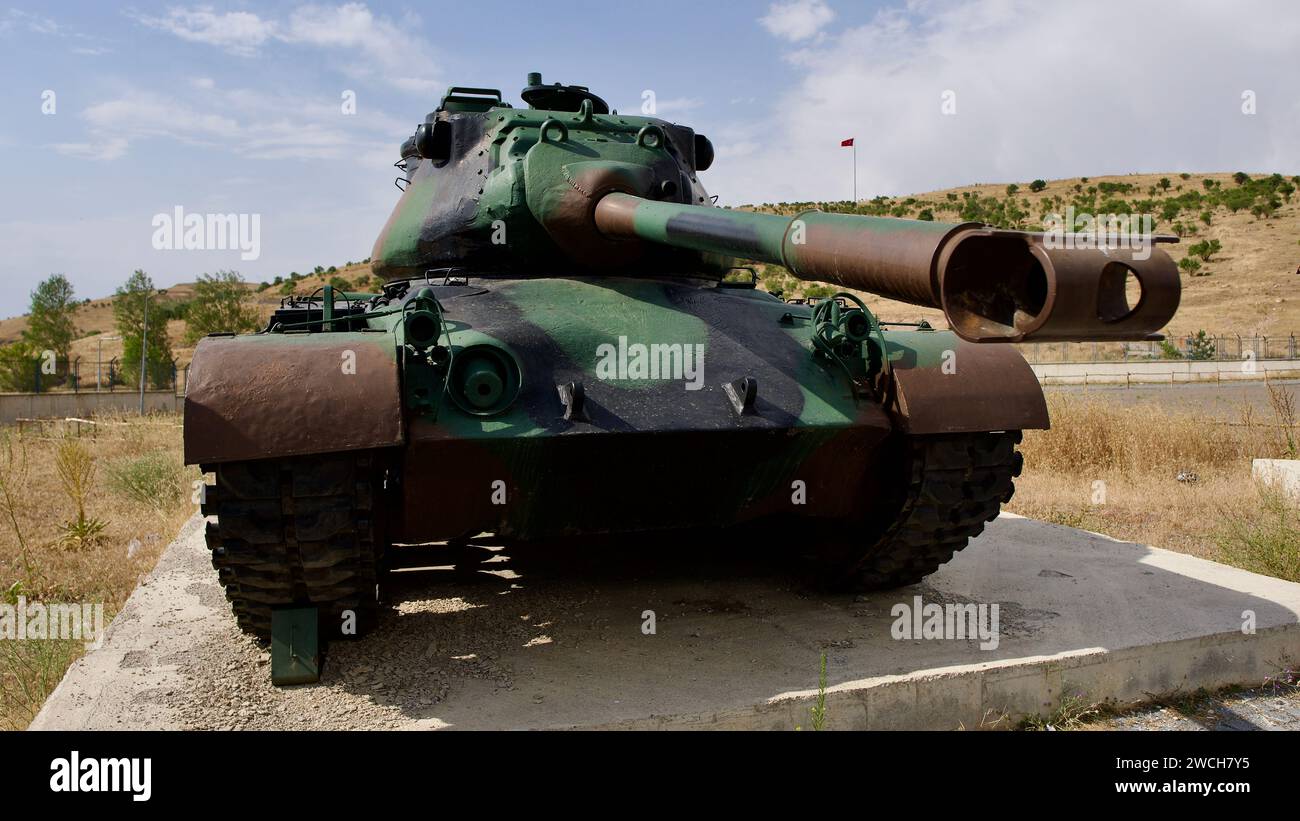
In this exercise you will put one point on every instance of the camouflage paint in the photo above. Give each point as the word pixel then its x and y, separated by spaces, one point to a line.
pixel 564 231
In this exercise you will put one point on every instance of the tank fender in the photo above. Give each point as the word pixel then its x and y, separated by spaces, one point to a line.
pixel 943 384
pixel 272 395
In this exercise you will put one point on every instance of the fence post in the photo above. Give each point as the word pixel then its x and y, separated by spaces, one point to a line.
pixel 36 374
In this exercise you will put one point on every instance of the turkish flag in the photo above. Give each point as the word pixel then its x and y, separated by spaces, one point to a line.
pixel 847 143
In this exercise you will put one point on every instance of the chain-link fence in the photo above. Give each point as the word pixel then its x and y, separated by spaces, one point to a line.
pixel 79 375
pixel 1204 347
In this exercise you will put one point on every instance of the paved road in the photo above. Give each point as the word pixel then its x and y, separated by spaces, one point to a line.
pixel 1223 400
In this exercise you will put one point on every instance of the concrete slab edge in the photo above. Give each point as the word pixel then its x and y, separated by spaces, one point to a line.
pixel 998 695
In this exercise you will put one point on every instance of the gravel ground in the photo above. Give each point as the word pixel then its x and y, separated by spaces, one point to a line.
pixel 1263 708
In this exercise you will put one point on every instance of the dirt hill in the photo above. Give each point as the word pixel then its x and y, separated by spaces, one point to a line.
pixel 1250 287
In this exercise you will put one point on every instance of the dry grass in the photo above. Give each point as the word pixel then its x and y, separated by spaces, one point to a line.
pixel 125 473
pixel 1116 470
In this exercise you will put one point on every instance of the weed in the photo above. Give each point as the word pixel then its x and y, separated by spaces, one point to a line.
pixel 1267 544
pixel 1073 712
pixel 818 710
pixel 75 465
pixel 154 479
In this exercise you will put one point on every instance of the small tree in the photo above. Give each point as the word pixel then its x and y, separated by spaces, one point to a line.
pixel 1037 185
pixel 1200 347
pixel 221 304
pixel 130 303
pixel 1205 249
pixel 50 325
pixel 1190 265
pixel 1241 178
pixel 1012 189
pixel 1164 183
pixel 18 365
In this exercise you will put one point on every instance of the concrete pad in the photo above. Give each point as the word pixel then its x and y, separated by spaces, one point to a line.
pixel 1283 474
pixel 555 640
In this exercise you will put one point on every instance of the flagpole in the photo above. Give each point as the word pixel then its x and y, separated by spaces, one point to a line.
pixel 855 172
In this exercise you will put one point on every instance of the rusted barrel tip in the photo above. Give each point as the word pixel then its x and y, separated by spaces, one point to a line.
pixel 1011 286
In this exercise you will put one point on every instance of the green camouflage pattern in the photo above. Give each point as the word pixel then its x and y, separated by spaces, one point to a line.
pixel 539 377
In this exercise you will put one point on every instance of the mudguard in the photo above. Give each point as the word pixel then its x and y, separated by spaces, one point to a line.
pixel 273 395
pixel 943 384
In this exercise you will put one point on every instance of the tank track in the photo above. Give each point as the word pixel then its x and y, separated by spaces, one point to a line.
pixel 955 484
pixel 301 531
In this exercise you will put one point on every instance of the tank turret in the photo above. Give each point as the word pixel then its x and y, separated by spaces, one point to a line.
pixel 576 186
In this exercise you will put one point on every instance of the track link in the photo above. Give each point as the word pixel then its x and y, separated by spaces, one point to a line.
pixel 955 484
pixel 300 531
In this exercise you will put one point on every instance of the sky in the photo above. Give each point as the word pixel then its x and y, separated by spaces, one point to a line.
pixel 293 112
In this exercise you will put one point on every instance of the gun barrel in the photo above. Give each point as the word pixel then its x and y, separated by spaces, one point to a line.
pixel 992 285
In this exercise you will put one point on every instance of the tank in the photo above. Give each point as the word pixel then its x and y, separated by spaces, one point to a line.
pixel 568 343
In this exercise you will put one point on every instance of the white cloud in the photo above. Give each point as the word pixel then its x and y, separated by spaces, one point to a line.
pixel 247 122
pixel 1041 90
pixel 797 20
pixel 676 105
pixel 238 32
pixel 109 149
pixel 33 23
pixel 362 43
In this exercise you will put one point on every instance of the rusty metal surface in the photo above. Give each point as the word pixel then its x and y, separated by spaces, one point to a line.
pixel 254 397
pixel 988 387
pixel 1010 286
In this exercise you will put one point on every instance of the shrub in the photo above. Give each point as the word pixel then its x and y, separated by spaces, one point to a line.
pixel 1269 545
pixel 1037 185
pixel 1205 249
pixel 154 479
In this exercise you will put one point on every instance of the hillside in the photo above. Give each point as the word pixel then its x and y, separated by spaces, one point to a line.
pixel 1250 287
pixel 95 317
